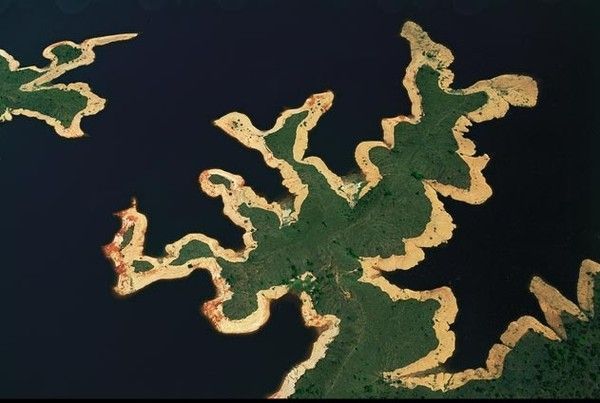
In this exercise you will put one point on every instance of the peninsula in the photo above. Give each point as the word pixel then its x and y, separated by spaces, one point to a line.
pixel 331 241
pixel 31 91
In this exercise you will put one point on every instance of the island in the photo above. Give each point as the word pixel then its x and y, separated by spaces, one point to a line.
pixel 31 91
pixel 330 242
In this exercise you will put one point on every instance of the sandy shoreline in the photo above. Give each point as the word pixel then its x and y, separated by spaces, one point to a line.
pixel 233 195
pixel 553 304
pixel 54 70
pixel 503 91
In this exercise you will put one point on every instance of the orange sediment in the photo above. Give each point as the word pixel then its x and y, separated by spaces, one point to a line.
pixel 502 92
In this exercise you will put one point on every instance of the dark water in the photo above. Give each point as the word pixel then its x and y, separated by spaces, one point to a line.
pixel 65 334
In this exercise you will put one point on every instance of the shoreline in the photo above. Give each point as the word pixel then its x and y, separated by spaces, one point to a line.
pixel 553 305
pixel 54 70
pixel 503 91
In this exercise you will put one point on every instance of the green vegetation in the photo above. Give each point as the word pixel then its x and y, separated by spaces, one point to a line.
pixel 219 180
pixel 297 285
pixel 33 92
pixel 376 334
pixel 536 368
pixel 60 104
pixel 127 236
pixel 191 250
pixel 331 233
pixel 319 249
pixel 142 265
pixel 66 53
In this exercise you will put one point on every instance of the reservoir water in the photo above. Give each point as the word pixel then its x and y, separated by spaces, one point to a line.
pixel 65 334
